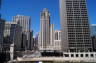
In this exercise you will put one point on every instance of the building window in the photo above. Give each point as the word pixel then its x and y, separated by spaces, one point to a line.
pixel 66 55
pixel 86 55
pixel 92 55
pixel 77 55
pixel 56 36
pixel 81 55
pixel 72 55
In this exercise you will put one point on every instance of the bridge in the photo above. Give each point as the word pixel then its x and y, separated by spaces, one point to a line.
pixel 67 57
pixel 54 59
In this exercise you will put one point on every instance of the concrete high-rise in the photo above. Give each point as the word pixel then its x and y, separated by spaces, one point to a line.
pixel 36 42
pixel 94 43
pixel 0 7
pixel 51 36
pixel 93 30
pixel 57 40
pixel 25 23
pixel 93 36
pixel 2 24
pixel 31 40
pixel 75 31
pixel 13 34
pixel 44 29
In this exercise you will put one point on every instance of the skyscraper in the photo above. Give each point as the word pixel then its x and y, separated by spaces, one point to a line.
pixel 12 34
pixel 75 32
pixel 51 36
pixel 0 7
pixel 93 36
pixel 2 23
pixel 93 30
pixel 31 40
pixel 44 29
pixel 94 43
pixel 57 40
pixel 25 23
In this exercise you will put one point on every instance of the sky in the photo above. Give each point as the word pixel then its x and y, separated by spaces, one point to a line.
pixel 33 8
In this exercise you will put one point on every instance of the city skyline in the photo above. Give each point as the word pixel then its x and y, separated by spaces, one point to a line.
pixel 51 31
pixel 10 8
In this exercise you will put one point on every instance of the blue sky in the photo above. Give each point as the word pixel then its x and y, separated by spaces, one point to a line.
pixel 34 7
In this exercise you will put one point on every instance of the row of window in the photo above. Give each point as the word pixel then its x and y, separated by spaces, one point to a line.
pixel 71 25
pixel 79 45
pixel 79 55
pixel 75 1
pixel 71 17
pixel 76 7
